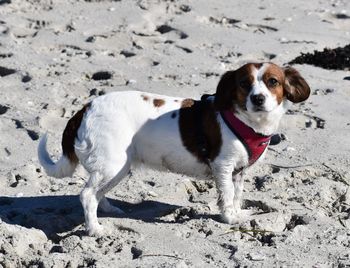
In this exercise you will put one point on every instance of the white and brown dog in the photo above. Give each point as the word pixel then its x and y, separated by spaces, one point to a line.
pixel 216 137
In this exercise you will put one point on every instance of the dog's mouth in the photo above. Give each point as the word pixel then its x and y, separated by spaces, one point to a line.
pixel 259 109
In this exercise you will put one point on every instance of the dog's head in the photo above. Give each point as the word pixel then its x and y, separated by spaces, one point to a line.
pixel 260 87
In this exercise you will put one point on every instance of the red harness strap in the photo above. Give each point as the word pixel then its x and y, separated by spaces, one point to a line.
pixel 254 143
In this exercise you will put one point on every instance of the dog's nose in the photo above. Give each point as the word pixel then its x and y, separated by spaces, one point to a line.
pixel 257 99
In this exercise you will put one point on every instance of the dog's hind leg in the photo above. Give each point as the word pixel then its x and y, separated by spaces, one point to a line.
pixel 89 200
pixel 97 186
pixel 105 205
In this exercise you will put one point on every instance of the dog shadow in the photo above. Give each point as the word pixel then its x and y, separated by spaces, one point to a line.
pixel 62 213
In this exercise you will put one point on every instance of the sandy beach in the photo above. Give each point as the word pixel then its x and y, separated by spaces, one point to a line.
pixel 55 56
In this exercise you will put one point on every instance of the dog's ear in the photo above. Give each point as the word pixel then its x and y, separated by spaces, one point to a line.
pixel 225 91
pixel 295 87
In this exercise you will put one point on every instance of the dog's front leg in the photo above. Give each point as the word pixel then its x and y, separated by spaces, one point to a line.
pixel 237 179
pixel 226 191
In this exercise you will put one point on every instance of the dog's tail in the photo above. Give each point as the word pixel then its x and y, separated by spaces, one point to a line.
pixel 68 161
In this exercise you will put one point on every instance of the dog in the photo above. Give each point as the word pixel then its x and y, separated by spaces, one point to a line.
pixel 216 137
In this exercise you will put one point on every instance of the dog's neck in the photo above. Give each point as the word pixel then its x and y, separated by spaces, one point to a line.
pixel 265 123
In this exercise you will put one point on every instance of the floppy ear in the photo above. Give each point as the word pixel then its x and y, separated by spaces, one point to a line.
pixel 295 87
pixel 224 91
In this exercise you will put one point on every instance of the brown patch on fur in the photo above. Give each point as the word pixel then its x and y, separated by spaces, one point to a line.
pixel 144 97
pixel 188 125
pixel 158 102
pixel 274 71
pixel 70 132
pixel 187 103
pixel 257 65
pixel 234 87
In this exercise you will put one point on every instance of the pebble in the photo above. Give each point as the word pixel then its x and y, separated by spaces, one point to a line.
pixel 131 82
pixel 26 78
pixel 255 257
pixel 289 149
pixel 102 75
pixel 3 109
pixel 152 194
pixel 308 123
pixel 136 252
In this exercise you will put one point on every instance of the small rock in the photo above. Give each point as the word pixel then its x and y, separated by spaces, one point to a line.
pixel 6 71
pixel 26 78
pixel 127 54
pixel 152 194
pixel 320 123
pixel 131 81
pixel 329 90
pixel 289 149
pixel 255 257
pixel 7 151
pixel 33 134
pixel 308 123
pixel 185 8
pixel 342 16
pixel 90 39
pixel 136 252
pixel 275 170
pixel 164 29
pixel 275 139
pixel 3 109
pixel 102 75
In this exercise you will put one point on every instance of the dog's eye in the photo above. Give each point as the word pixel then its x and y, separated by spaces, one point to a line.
pixel 244 84
pixel 272 82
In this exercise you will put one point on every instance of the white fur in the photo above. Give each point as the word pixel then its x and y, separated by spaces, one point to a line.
pixel 122 128
pixel 62 168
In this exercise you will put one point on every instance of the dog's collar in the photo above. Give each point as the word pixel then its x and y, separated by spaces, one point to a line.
pixel 255 143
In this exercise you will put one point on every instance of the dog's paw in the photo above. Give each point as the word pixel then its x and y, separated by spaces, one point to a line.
pixel 233 215
pixel 230 215
pixel 96 231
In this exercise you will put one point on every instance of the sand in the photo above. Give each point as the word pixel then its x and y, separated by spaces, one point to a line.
pixel 55 56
